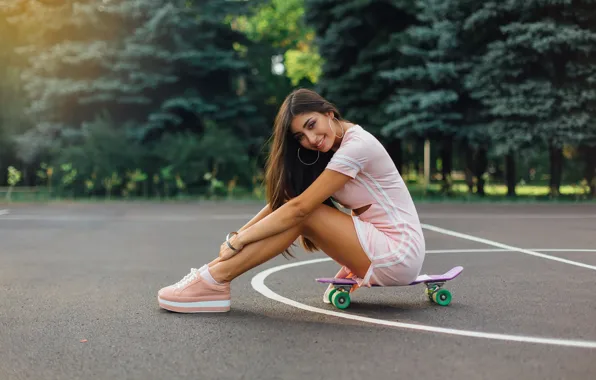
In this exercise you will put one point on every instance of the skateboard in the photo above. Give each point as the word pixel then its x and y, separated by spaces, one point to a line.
pixel 340 295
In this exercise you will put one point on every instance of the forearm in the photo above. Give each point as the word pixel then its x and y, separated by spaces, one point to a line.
pixel 262 214
pixel 282 219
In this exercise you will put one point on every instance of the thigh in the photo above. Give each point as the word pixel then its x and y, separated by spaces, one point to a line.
pixel 335 234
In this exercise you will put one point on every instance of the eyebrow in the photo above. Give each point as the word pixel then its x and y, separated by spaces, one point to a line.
pixel 303 126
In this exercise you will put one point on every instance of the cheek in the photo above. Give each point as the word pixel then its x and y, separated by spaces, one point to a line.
pixel 323 127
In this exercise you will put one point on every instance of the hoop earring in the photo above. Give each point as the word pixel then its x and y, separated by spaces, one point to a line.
pixel 342 128
pixel 312 163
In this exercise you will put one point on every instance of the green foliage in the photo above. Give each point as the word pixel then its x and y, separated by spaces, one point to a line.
pixel 281 25
pixel 110 182
pixel 303 65
pixel 155 66
pixel 14 176
pixel 534 78
pixel 431 100
pixel 176 98
pixel 354 40
pixel 13 120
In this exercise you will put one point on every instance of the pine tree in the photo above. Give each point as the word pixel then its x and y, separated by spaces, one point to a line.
pixel 13 119
pixel 535 78
pixel 431 100
pixel 157 66
pixel 424 105
pixel 354 40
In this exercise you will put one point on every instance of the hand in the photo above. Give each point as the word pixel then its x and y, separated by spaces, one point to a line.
pixel 226 252
pixel 345 272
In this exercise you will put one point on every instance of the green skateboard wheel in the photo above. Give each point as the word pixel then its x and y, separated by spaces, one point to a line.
pixel 341 300
pixel 331 293
pixel 442 297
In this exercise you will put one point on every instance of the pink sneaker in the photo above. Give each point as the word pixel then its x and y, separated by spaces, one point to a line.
pixel 194 294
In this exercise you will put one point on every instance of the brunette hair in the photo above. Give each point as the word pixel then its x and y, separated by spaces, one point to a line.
pixel 286 177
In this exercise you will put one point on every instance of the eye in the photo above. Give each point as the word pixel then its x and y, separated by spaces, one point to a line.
pixel 311 125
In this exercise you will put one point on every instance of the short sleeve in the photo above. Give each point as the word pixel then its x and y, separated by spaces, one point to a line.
pixel 350 159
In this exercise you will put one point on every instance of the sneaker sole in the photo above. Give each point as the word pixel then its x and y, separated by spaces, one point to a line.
pixel 195 307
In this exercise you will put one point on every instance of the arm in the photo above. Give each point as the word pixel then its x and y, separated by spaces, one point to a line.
pixel 295 211
pixel 262 214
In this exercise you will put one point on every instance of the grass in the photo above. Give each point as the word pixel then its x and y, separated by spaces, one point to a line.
pixel 495 193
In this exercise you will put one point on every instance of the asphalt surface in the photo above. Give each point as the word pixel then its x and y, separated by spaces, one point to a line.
pixel 79 282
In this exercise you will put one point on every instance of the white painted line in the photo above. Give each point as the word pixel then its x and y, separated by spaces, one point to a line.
pixel 481 250
pixel 507 216
pixel 505 246
pixel 4 212
pixel 450 216
pixel 258 283
pixel 561 250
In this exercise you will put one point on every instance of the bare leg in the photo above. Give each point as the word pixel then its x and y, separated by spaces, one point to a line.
pixel 330 229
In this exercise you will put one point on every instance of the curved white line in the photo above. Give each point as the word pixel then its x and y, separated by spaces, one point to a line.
pixel 258 283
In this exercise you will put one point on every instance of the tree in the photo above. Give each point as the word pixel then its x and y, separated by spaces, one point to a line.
pixel 282 53
pixel 280 25
pixel 533 77
pixel 354 40
pixel 156 66
pixel 430 99
pixel 13 119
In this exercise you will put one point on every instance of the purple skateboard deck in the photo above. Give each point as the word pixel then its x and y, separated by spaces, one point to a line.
pixel 423 278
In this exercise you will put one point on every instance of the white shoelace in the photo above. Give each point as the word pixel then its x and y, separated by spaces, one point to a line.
pixel 194 272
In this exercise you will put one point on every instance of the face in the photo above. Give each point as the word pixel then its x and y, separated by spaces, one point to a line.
pixel 311 130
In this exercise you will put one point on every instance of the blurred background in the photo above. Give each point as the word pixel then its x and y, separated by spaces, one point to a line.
pixel 158 99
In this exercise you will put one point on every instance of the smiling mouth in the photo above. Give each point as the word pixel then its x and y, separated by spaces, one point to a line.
pixel 320 144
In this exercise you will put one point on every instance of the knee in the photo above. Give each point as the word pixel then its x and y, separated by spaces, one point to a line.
pixel 309 224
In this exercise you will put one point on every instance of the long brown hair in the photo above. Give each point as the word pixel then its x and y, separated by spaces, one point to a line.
pixel 286 177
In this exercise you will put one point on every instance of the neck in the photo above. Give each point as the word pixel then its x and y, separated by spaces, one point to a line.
pixel 338 140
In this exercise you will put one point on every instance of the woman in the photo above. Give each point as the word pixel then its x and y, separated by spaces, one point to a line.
pixel 316 155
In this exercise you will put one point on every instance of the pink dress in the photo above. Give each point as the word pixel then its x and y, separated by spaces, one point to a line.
pixel 389 231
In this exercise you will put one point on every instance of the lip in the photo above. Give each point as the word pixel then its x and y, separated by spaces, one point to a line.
pixel 320 145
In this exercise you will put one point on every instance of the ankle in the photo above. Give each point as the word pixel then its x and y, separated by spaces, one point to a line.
pixel 217 275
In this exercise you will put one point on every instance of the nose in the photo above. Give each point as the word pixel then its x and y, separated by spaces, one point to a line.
pixel 312 139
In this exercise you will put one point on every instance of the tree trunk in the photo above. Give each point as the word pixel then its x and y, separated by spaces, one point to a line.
pixel 447 167
pixel 395 152
pixel 590 169
pixel 556 170
pixel 481 163
pixel 25 175
pixel 510 174
pixel 469 168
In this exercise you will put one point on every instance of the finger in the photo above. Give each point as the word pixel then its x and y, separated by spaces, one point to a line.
pixel 343 272
pixel 228 254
